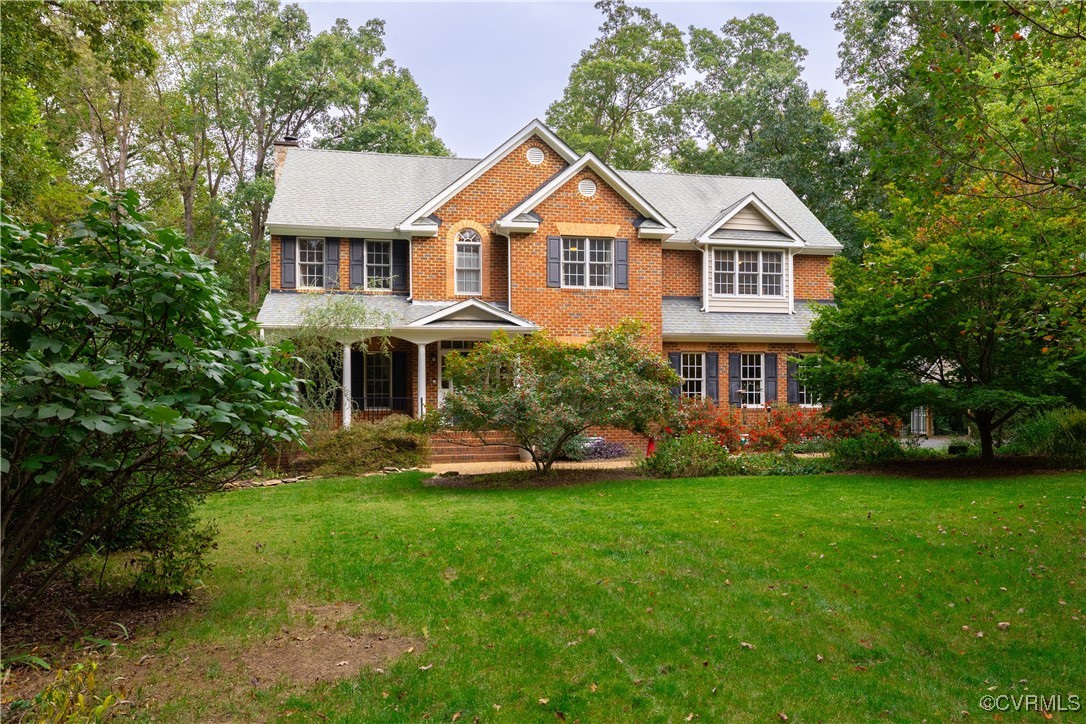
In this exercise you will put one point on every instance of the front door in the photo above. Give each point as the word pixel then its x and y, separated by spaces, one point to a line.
pixel 444 384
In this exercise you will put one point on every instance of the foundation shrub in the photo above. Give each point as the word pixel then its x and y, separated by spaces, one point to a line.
pixel 367 447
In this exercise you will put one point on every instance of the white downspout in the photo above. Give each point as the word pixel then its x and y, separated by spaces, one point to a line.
pixel 410 268
pixel 704 276
pixel 791 284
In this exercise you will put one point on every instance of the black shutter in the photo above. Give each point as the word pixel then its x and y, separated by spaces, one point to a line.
pixel 712 376
pixel 331 264
pixel 733 380
pixel 676 360
pixel 399 264
pixel 554 261
pixel 770 361
pixel 358 263
pixel 288 276
pixel 622 264
pixel 400 401
pixel 793 383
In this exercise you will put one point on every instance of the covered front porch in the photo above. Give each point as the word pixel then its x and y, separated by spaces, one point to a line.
pixel 398 368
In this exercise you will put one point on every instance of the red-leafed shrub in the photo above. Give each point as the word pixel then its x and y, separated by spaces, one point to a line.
pixel 765 438
pixel 720 422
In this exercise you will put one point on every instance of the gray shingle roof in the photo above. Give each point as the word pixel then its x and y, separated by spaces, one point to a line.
pixel 683 317
pixel 353 190
pixel 690 202
pixel 290 309
pixel 375 191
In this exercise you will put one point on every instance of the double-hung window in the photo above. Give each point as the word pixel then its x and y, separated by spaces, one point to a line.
pixel 751 379
pixel 311 262
pixel 748 273
pixel 692 372
pixel 378 264
pixel 378 373
pixel 804 397
pixel 469 262
pixel 588 263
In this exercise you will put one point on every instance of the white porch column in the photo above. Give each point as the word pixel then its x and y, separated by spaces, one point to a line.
pixel 420 382
pixel 348 398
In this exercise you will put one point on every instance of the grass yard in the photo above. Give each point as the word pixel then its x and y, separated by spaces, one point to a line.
pixel 634 600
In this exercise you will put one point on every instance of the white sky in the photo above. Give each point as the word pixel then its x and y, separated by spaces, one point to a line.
pixel 490 67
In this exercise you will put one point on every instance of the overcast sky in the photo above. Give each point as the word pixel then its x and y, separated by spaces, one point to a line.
pixel 490 67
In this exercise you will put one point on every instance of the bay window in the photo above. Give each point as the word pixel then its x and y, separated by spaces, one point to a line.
pixel 748 273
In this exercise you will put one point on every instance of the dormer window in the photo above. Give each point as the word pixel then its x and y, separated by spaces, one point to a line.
pixel 311 262
pixel 748 273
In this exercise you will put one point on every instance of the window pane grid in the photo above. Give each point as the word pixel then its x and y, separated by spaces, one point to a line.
pixel 587 263
pixel 755 274
pixel 379 264
pixel 378 380
pixel 750 378
pixel 311 262
pixel 573 262
pixel 723 271
pixel 691 369
pixel 599 268
pixel 469 262
pixel 772 273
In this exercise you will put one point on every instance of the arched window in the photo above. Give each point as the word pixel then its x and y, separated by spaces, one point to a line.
pixel 469 262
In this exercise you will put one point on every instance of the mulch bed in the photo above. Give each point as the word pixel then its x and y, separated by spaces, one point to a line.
pixel 936 468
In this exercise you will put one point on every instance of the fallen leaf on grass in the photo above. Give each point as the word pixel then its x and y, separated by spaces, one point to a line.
pixel 342 663
pixel 426 668
pixel 456 716
pixel 593 687
pixel 745 645
pixel 782 716
pixel 543 702
pixel 691 716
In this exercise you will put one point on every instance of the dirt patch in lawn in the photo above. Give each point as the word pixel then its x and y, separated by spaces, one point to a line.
pixel 321 644
pixel 558 478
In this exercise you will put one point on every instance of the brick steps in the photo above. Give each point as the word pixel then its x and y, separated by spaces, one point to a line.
pixel 444 449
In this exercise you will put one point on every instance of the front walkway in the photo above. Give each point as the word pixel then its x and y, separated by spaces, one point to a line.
pixel 507 465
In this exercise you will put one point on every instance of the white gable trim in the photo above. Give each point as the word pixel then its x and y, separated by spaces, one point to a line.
pixel 469 304
pixel 591 161
pixel 750 199
pixel 535 128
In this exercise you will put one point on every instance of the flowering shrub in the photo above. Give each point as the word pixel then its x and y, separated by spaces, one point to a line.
pixel 697 416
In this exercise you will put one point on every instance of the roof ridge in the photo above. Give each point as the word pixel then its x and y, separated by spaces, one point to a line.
pixel 702 175
pixel 382 153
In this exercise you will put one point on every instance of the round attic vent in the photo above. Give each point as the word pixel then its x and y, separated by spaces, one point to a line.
pixel 587 187
pixel 535 156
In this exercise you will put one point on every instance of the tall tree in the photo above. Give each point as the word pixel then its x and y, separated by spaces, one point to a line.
pixel 942 312
pixel 751 113
pixel 42 41
pixel 619 85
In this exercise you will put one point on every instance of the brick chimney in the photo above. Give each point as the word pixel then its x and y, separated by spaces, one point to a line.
pixel 281 148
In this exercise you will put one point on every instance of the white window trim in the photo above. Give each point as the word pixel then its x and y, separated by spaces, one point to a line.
pixel 298 260
pixel 457 268
pixel 800 385
pixel 785 272
pixel 761 364
pixel 367 279
pixel 704 376
pixel 588 263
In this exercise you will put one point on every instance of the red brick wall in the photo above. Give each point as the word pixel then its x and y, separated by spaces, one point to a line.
pixel 484 201
pixel 812 277
pixel 572 313
pixel 681 272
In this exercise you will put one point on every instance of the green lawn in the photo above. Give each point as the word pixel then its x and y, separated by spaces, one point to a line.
pixel 630 601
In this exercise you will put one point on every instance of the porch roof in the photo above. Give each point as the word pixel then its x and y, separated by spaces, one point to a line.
pixel 414 321
pixel 683 319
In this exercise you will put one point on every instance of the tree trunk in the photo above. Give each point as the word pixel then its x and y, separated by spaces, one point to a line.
pixel 986 429
pixel 187 194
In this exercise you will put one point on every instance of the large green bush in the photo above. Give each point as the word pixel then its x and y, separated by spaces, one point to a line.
pixel 369 446
pixel 696 455
pixel 1059 435
pixel 126 381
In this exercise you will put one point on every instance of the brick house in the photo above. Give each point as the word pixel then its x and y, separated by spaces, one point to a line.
pixel 724 270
